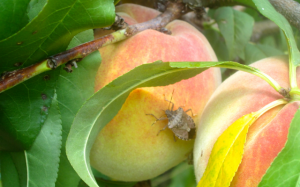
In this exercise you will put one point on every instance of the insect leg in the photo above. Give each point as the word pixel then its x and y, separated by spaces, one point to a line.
pixel 162 130
pixel 191 112
pixel 157 119
pixel 174 138
pixel 153 116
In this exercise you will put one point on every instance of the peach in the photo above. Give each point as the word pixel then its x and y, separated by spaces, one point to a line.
pixel 128 148
pixel 241 94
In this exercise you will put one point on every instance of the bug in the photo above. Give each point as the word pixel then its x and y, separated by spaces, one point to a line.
pixel 182 125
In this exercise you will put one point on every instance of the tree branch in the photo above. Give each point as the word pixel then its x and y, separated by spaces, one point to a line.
pixel 8 80
pixel 289 9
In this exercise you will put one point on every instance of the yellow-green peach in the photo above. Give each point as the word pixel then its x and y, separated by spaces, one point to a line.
pixel 128 148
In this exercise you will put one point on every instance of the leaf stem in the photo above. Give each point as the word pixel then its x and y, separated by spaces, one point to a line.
pixel 236 66
pixel 256 72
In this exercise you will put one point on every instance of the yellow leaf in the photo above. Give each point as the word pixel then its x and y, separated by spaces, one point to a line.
pixel 227 153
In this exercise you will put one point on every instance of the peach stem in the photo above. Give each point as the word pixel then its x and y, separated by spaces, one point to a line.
pixel 295 94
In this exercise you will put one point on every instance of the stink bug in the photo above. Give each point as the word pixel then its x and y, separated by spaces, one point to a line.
pixel 182 125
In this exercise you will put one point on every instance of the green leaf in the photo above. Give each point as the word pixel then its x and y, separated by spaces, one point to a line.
pixel 243 2
pixel 52 29
pixel 223 64
pixel 73 90
pixel 43 157
pixel 230 65
pixel 35 7
pixel 103 180
pixel 9 173
pixel 253 12
pixel 107 183
pixel 37 166
pixel 236 28
pixel 285 169
pixel 281 42
pixel 209 3
pixel 269 40
pixel 13 16
pixel 183 175
pixel 227 153
pixel 106 103
pixel 13 169
pixel 79 39
pixel 255 52
pixel 217 42
pixel 23 110
pixel 266 9
pixel 116 1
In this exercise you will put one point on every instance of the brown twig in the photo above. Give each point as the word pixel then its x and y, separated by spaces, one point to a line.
pixel 9 79
pixel 289 8
pixel 173 11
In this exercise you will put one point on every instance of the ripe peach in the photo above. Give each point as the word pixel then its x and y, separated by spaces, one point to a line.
pixel 241 94
pixel 128 148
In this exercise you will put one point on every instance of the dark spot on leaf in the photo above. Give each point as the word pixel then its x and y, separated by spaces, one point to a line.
pixel 19 43
pixel 47 77
pixel 44 96
pixel 44 109
pixel 34 32
pixel 18 64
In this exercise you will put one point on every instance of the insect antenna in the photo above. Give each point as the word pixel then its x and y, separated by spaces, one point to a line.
pixel 171 101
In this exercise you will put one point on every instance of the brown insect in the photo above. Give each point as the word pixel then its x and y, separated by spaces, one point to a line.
pixel 182 125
